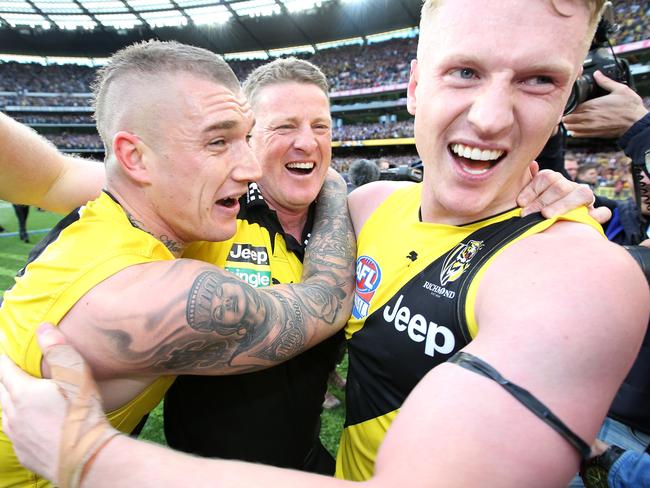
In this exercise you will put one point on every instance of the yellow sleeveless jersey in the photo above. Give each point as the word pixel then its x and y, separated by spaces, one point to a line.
pixel 89 245
pixel 413 309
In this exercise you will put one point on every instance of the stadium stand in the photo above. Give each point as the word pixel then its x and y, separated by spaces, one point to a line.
pixel 55 99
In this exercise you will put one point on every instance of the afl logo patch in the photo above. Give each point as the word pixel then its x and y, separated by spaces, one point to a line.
pixel 367 280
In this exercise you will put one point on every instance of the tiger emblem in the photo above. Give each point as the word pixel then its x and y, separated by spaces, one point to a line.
pixel 457 261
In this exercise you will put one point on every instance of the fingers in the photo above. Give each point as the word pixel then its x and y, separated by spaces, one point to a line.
pixel 600 214
pixel 66 366
pixel 48 335
pixel 539 185
pixel 12 386
pixel 533 168
pixel 552 194
pixel 6 402
pixel 605 82
pixel 567 196
pixel 12 377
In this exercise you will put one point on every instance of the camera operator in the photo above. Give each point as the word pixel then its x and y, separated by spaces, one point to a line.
pixel 621 114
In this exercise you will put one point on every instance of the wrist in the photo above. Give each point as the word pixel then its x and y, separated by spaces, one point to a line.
pixel 594 472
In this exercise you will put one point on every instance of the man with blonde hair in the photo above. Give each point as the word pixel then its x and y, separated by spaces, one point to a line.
pixel 292 142
pixel 474 312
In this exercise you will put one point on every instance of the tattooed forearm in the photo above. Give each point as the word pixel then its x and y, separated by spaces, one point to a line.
pixel 330 256
pixel 198 319
pixel 291 338
pixel 229 307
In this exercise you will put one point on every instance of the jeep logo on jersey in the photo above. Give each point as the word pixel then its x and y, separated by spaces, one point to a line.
pixel 436 338
pixel 368 279
pixel 245 253
pixel 257 279
pixel 457 261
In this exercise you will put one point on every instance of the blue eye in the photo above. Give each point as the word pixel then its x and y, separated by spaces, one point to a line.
pixel 539 80
pixel 466 73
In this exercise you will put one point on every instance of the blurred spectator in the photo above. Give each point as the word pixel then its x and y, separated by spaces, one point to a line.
pixel 571 167
pixel 361 172
pixel 22 212
pixel 383 164
pixel 588 174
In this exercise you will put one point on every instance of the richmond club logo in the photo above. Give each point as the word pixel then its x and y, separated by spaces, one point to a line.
pixel 368 279
pixel 457 261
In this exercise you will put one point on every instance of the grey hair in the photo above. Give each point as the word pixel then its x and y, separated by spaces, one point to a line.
pixel 284 70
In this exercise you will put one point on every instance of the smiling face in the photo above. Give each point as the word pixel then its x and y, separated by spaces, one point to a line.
pixel 292 141
pixel 489 86
pixel 199 157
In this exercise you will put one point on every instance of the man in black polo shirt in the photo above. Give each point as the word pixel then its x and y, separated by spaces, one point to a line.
pixel 270 416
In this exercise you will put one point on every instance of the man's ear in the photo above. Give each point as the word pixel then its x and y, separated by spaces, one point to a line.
pixel 413 83
pixel 129 151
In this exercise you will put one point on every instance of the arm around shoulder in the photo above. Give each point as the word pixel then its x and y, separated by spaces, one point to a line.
pixel 34 172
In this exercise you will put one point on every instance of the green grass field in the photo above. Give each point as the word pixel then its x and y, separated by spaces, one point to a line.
pixel 13 254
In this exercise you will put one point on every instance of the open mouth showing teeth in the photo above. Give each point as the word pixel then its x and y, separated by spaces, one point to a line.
pixel 476 161
pixel 227 202
pixel 302 168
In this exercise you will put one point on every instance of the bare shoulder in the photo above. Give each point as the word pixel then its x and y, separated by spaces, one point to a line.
pixel 577 308
pixel 561 314
pixel 569 273
pixel 363 201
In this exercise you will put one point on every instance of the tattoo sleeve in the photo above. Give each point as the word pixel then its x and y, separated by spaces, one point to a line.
pixel 221 325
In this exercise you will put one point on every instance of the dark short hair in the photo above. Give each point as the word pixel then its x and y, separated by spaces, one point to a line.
pixel 583 168
pixel 363 171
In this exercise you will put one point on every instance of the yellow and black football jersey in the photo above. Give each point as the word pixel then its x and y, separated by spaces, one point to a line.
pixel 86 247
pixel 413 309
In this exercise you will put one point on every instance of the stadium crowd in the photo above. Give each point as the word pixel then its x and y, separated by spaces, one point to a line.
pixel 380 130
pixel 346 67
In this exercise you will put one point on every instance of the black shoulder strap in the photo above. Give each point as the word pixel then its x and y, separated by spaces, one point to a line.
pixel 527 399
pixel 501 234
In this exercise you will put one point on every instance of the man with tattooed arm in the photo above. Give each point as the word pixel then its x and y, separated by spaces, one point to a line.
pixel 292 142
pixel 175 125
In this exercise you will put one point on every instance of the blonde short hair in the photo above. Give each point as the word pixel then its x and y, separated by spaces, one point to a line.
pixel 595 8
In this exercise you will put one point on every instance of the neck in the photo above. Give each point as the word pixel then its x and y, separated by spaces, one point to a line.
pixel 467 208
pixel 293 223
pixel 144 218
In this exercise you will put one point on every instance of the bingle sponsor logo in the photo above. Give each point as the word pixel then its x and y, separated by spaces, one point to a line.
pixel 245 253
pixel 437 338
pixel 441 291
pixel 257 279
